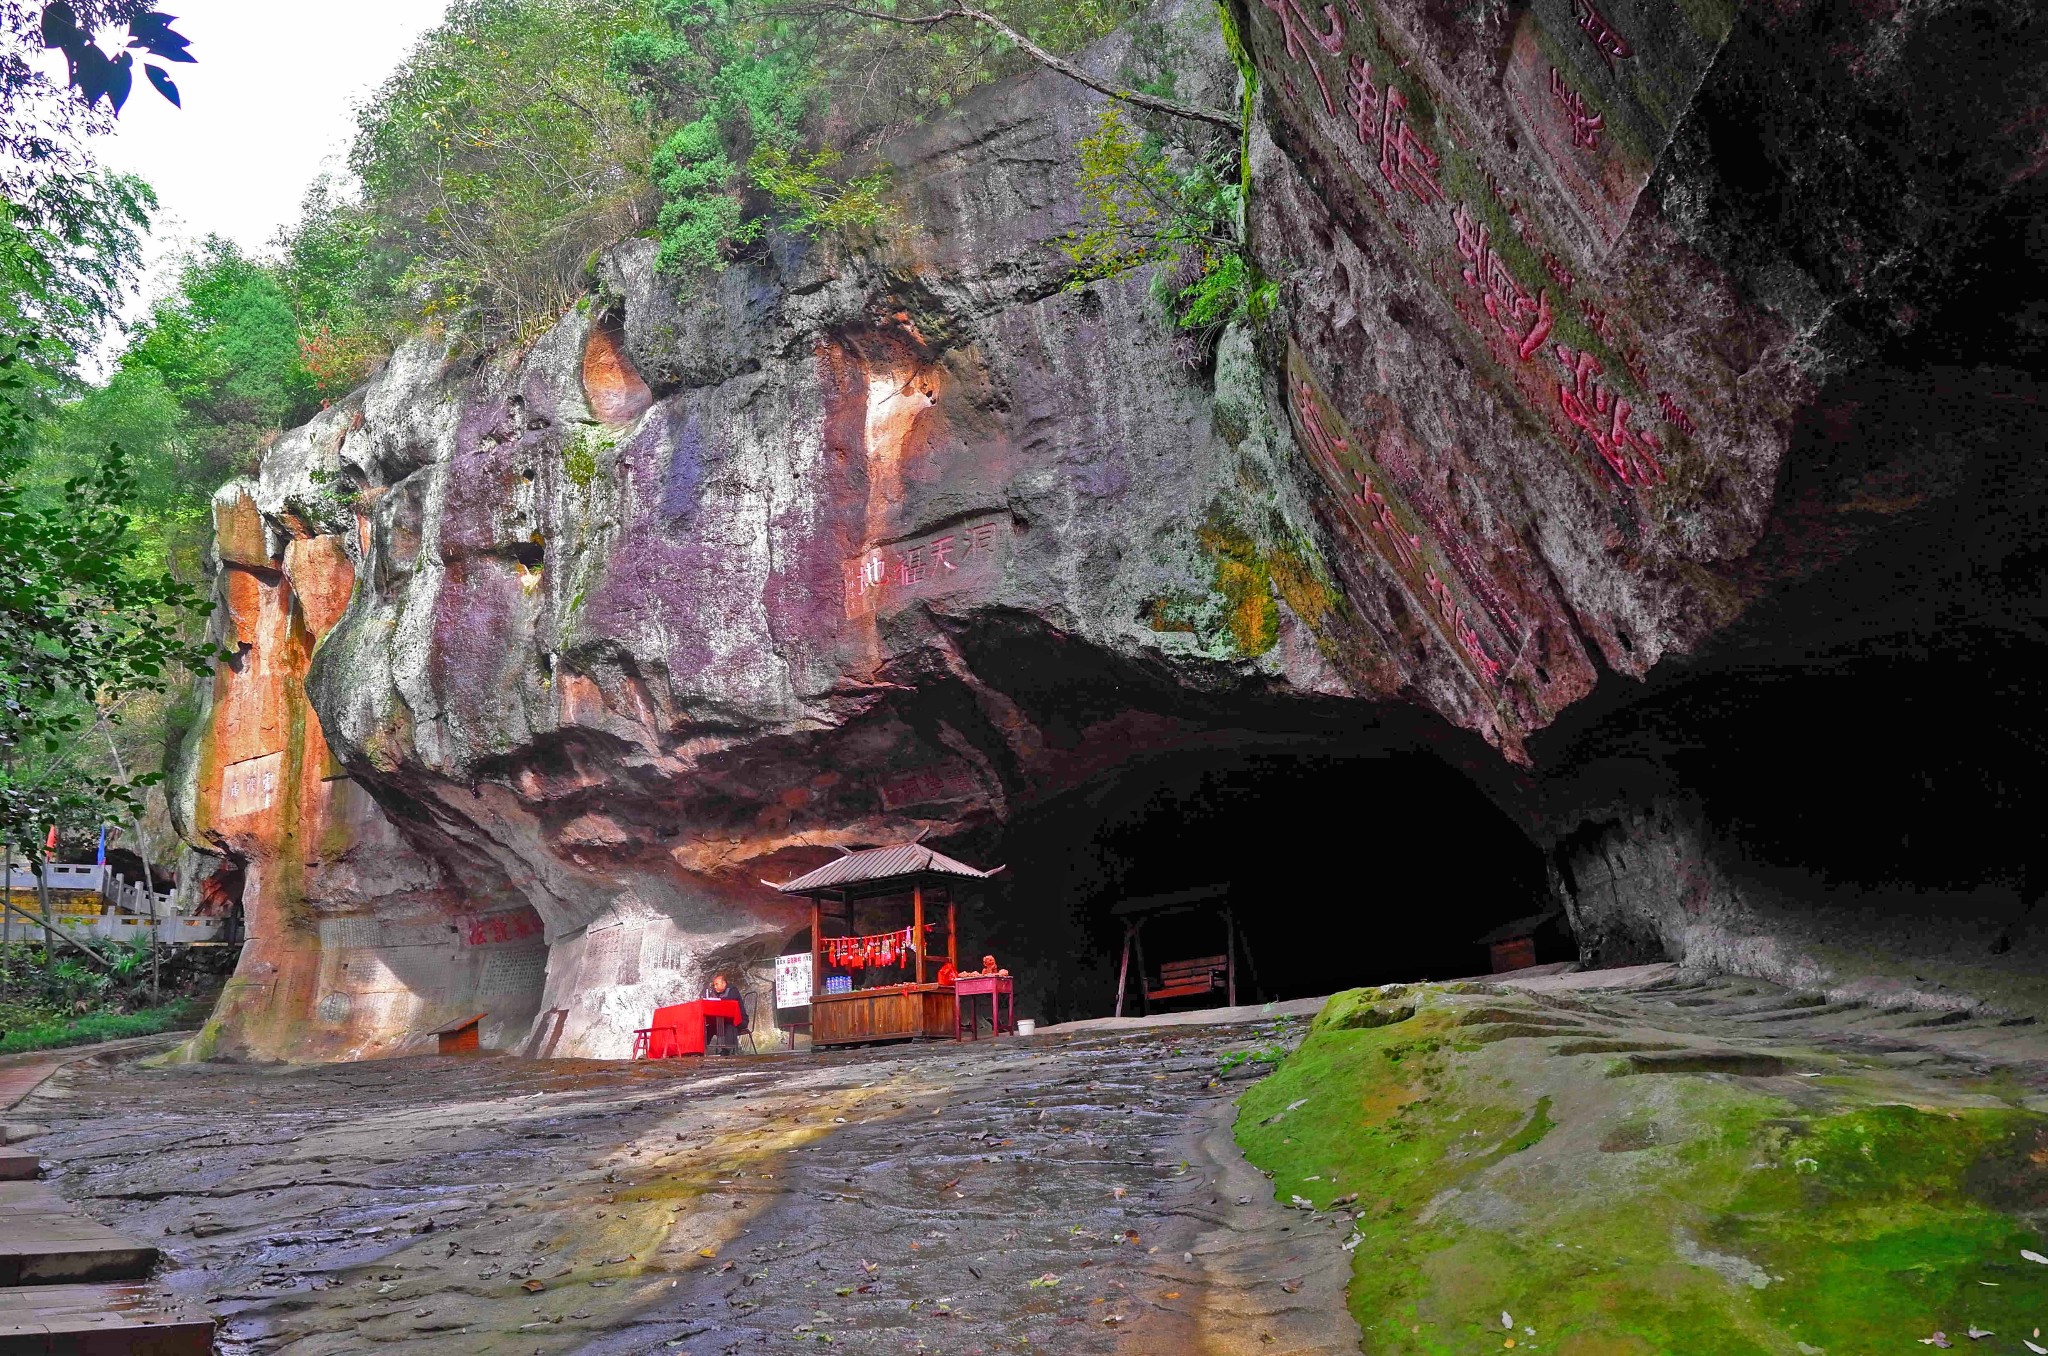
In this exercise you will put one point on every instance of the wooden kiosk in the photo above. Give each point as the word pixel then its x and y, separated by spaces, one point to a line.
pixel 873 974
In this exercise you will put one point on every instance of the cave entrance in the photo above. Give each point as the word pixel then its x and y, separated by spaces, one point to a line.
pixel 1338 869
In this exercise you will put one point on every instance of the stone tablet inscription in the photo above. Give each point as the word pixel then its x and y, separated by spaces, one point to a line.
pixel 250 785
pixel 886 577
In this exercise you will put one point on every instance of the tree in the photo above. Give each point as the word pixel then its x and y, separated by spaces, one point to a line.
pixel 43 125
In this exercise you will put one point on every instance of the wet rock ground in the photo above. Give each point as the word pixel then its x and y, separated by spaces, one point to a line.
pixel 1070 1194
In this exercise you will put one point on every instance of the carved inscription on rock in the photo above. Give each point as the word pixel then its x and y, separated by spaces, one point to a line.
pixel 516 973
pixel 250 785
pixel 929 785
pixel 507 925
pixel 885 578
pixel 1401 143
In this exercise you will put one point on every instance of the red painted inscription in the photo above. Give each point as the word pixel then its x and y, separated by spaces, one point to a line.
pixel 1524 319
pixel 1379 117
pixel 1610 44
pixel 1605 418
pixel 1586 124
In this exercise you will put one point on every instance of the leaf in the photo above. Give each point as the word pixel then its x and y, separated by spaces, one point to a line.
pixel 2038 1351
pixel 165 86
pixel 152 33
pixel 2033 1256
pixel 533 1287
pixel 60 28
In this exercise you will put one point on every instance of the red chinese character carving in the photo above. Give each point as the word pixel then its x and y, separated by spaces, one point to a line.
pixel 1586 124
pixel 1526 320
pixel 1604 417
pixel 1596 318
pixel 1362 101
pixel 942 554
pixel 1675 414
pixel 981 541
pixel 1298 30
pixel 1310 415
pixel 1454 618
pixel 1608 43
pixel 873 570
pixel 1405 163
pixel 1555 267
pixel 1637 368
pixel 1377 115
pixel 914 566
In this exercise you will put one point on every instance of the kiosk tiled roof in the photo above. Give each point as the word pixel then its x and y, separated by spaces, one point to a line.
pixel 882 863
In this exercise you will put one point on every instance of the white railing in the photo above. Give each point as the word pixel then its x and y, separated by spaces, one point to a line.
pixel 125 911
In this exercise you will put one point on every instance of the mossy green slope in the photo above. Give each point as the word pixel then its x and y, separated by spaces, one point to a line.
pixel 1606 1210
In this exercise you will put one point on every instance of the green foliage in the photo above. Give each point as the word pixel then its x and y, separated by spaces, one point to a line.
pixel 1145 201
pixel 55 1033
pixel 499 157
pixel 814 202
pixel 763 103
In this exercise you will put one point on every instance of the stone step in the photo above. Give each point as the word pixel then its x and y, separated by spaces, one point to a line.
pixel 45 1240
pixel 16 1166
pixel 100 1320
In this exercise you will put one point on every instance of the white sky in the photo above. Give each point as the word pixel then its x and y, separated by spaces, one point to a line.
pixel 268 107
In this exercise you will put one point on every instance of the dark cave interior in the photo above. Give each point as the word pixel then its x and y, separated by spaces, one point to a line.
pixel 1342 870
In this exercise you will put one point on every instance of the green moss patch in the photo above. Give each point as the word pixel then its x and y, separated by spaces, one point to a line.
pixel 1706 1204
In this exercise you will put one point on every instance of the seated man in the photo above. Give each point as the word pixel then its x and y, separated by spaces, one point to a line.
pixel 722 1034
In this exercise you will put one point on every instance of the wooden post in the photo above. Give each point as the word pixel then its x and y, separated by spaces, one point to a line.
pixel 1138 940
pixel 43 901
pixel 1230 956
pixel 817 953
pixel 917 926
pixel 1123 971
pixel 7 913
pixel 952 932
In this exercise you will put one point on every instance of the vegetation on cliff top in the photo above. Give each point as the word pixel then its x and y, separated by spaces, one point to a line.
pixel 1476 1176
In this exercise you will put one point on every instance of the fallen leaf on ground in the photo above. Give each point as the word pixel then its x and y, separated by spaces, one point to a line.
pixel 2033 1256
pixel 1940 1339
pixel 707 1252
pixel 1978 1334
pixel 533 1287
pixel 1290 1287
pixel 1171 1294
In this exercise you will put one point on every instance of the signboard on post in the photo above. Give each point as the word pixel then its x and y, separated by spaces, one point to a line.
pixel 793 980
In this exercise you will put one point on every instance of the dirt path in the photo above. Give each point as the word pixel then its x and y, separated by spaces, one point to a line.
pixel 1072 1194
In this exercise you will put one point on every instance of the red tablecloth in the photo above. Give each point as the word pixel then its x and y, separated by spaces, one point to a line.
pixel 679 1028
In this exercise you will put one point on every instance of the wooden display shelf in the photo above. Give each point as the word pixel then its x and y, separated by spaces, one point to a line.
pixel 898 1012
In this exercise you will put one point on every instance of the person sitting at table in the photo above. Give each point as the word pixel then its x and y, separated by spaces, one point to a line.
pixel 721 1033
pixel 988 966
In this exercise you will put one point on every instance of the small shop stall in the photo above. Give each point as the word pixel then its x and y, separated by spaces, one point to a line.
pixel 875 955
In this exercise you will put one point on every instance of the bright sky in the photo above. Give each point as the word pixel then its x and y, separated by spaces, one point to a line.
pixel 268 107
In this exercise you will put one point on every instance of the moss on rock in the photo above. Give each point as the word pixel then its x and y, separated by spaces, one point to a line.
pixel 1690 1209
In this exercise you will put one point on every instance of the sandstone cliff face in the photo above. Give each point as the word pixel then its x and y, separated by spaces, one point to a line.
pixel 1593 336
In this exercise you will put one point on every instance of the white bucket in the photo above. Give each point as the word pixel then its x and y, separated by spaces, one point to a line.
pixel 1026 1027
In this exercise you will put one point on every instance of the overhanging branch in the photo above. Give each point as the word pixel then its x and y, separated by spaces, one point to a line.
pixel 1135 98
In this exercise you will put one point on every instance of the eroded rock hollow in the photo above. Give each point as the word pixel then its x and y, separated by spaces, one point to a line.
pixel 1633 432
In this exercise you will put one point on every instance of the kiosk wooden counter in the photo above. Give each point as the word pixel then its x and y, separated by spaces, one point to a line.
pixel 873 972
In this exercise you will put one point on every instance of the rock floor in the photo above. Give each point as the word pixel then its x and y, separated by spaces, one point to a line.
pixel 1070 1194
pixel 1077 1192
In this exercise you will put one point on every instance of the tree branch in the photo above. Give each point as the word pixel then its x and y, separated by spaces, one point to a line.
pixel 1136 98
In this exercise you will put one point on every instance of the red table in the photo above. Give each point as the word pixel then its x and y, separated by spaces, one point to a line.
pixel 679 1029
pixel 996 987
